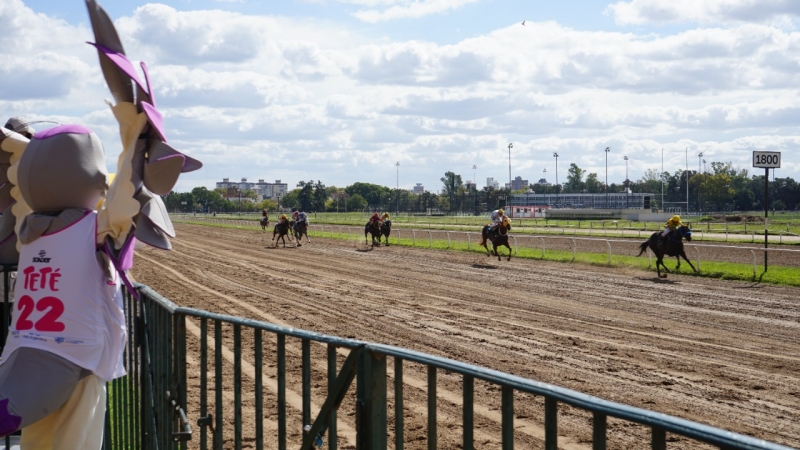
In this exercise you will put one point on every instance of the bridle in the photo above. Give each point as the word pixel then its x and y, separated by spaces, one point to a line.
pixel 502 230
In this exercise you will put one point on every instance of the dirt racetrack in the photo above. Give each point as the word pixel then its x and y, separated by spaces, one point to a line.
pixel 722 353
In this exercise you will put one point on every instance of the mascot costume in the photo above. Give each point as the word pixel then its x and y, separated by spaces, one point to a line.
pixel 72 236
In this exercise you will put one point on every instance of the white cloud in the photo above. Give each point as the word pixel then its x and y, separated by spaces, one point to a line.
pixel 404 9
pixel 275 97
pixel 636 12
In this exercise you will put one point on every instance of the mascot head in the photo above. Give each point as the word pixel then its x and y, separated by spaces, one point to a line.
pixel 63 168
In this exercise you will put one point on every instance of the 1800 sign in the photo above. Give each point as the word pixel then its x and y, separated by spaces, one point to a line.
pixel 768 160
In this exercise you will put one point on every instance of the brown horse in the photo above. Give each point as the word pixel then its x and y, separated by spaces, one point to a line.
pixel 375 230
pixel 264 220
pixel 498 237
pixel 386 230
pixel 671 246
pixel 300 229
pixel 282 231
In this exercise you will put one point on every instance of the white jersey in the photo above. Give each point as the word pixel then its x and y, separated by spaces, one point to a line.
pixel 496 217
pixel 64 304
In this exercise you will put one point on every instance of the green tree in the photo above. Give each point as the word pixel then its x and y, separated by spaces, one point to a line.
pixel 593 184
pixel 320 196
pixel 305 196
pixel 356 203
pixel 575 178
pixel 452 186
pixel 267 204
pixel 375 195
pixel 290 200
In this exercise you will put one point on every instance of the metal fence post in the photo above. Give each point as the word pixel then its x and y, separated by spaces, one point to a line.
pixel 697 249
pixel 371 401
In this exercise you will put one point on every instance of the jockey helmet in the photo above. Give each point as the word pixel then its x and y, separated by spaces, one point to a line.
pixel 294 214
pixel 283 216
pixel 676 219
pixel 385 215
pixel 502 213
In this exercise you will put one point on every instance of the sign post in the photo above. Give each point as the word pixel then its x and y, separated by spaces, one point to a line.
pixel 767 160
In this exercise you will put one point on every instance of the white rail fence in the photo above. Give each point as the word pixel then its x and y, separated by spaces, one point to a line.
pixel 397 234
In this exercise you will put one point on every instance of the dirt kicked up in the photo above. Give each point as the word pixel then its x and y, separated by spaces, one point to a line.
pixel 722 353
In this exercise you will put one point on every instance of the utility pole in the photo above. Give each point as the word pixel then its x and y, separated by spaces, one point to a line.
pixel 397 187
pixel 626 182
pixel 687 179
pixel 699 161
pixel 558 186
pixel 607 150
pixel 510 145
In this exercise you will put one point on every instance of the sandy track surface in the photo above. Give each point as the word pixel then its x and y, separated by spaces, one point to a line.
pixel 722 353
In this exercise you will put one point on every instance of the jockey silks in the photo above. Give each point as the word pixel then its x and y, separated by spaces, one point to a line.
pixel 64 304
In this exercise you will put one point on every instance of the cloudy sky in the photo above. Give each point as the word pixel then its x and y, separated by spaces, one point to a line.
pixel 342 90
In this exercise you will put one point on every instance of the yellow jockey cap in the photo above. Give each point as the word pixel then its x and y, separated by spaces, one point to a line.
pixel 385 215
pixel 676 219
pixel 283 216
pixel 501 212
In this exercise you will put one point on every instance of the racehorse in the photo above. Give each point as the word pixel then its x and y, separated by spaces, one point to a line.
pixel 386 230
pixel 671 246
pixel 299 229
pixel 375 231
pixel 264 223
pixel 498 238
pixel 282 229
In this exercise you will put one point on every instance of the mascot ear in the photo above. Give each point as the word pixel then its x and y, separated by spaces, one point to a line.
pixel 109 48
pixel 13 145
pixel 8 238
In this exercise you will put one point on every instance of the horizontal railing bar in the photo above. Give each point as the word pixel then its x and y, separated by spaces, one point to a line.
pixel 700 432
pixel 277 329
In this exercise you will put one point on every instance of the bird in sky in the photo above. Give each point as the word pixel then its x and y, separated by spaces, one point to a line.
pixel 523 23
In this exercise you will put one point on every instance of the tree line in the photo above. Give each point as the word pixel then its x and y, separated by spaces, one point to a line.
pixel 723 188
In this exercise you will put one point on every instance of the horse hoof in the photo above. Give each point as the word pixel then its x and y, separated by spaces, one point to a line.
pixel 299 244
pixel 662 276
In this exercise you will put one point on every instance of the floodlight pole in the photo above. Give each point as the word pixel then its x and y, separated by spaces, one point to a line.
pixel 699 160
pixel 607 150
pixel 510 145
pixel 557 185
pixel 626 181
pixel 687 180
pixel 397 187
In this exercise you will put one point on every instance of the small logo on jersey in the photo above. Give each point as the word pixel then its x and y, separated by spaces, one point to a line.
pixel 59 340
pixel 41 258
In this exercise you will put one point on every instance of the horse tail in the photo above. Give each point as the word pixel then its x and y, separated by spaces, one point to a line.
pixel 643 247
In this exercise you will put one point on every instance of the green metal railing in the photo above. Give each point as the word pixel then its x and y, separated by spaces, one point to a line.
pixel 245 382
pixel 221 426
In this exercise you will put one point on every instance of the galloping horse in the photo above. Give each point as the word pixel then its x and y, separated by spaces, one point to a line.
pixel 671 246
pixel 299 229
pixel 386 230
pixel 497 238
pixel 264 222
pixel 375 231
pixel 282 230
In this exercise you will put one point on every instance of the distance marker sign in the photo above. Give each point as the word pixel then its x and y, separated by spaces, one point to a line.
pixel 767 160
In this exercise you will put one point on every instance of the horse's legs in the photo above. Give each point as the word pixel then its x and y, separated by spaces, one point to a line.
pixel 660 261
pixel 683 254
pixel 496 253
pixel 509 251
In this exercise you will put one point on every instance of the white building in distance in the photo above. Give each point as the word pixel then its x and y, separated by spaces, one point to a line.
pixel 264 190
